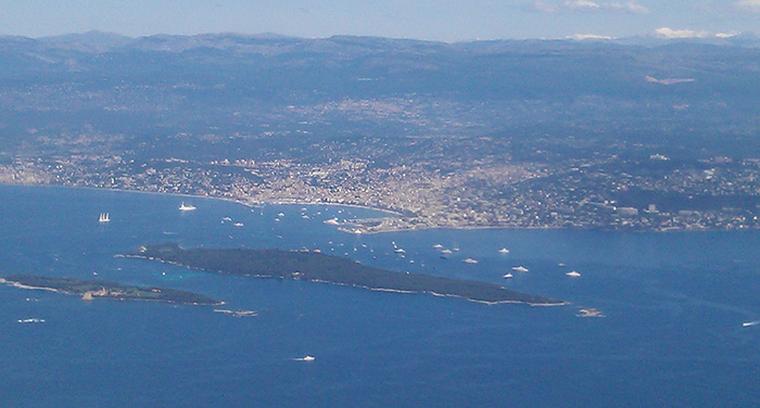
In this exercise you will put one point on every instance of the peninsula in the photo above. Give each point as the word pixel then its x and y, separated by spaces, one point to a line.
pixel 90 290
pixel 317 267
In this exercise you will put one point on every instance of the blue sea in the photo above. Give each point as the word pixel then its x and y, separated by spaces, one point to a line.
pixel 672 335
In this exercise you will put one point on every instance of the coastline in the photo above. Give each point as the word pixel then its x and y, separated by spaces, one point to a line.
pixel 462 228
pixel 118 292
pixel 244 203
pixel 210 197
pixel 390 212
pixel 18 285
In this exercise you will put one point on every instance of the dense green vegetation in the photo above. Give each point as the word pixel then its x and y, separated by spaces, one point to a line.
pixel 317 267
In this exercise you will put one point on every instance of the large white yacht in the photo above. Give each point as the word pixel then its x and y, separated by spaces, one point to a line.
pixel 186 207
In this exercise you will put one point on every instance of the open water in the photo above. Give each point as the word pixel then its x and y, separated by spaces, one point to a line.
pixel 673 335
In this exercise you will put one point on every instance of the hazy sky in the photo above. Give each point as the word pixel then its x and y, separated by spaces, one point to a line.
pixel 448 20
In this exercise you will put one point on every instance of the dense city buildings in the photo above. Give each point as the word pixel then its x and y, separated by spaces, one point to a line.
pixel 609 193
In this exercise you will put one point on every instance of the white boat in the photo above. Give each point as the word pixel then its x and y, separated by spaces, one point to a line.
pixel 590 313
pixel 520 269
pixel 437 246
pixel 237 313
pixel 399 251
pixel 104 218
pixel 509 276
pixel 332 221
pixel 574 274
pixel 470 261
pixel 238 224
pixel 33 320
pixel 186 207
pixel 504 251
pixel 750 324
pixel 446 251
pixel 307 358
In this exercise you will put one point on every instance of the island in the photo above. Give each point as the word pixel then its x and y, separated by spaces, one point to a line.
pixel 90 290
pixel 314 266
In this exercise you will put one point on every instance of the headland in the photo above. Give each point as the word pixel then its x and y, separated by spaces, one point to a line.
pixel 90 290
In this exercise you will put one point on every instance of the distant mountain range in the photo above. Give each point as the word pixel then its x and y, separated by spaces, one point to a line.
pixel 534 133
pixel 98 41
pixel 227 84
pixel 272 65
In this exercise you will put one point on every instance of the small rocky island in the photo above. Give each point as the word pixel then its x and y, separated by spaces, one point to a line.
pixel 317 267
pixel 90 290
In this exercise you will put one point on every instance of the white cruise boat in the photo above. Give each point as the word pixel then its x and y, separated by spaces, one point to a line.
pixel 504 251
pixel 520 269
pixel 186 207
pixel 104 218
pixel 470 261
pixel 574 274
pixel 509 276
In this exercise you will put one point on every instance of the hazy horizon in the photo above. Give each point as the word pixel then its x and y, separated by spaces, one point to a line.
pixel 424 20
pixel 651 36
